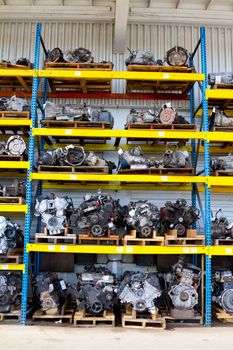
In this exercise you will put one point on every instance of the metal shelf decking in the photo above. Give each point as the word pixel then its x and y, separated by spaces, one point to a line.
pixel 107 249
pixel 12 267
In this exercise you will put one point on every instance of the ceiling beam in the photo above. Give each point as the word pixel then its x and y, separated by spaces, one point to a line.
pixel 179 3
pixel 121 20
pixel 208 4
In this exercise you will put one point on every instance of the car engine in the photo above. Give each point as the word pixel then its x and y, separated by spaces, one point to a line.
pixel 134 158
pixel 96 290
pixel 143 217
pixel 98 214
pixel 54 212
pixel 17 189
pixel 145 58
pixel 140 290
pixel 221 228
pixel 10 291
pixel 222 288
pixel 176 159
pixel 14 146
pixel 51 292
pixel 220 78
pixel 140 117
pixel 182 285
pixel 11 235
pixel 222 163
pixel 177 216
pixel 14 104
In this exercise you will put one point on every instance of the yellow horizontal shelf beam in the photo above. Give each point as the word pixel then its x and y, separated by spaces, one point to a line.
pixel 94 249
pixel 14 208
pixel 12 267
pixel 219 94
pixel 14 165
pixel 118 178
pixel 17 72
pixel 220 180
pixel 148 134
pixel 15 122
pixel 219 136
pixel 107 75
pixel 226 250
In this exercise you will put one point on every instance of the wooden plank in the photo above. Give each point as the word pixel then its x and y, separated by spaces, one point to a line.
pixel 73 169
pixel 170 69
pixel 79 66
pixel 184 127
pixel 184 241
pixel 88 239
pixel 49 123
pixel 85 319
pixel 159 171
pixel 223 242
pixel 12 200
pixel 14 115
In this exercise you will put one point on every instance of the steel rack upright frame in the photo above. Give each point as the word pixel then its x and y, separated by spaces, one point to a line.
pixel 118 134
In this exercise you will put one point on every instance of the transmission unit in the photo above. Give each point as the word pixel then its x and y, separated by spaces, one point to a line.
pixel 17 189
pixel 222 163
pixel 177 56
pixel 10 291
pixel 54 212
pixel 222 288
pixel 221 228
pixel 14 146
pixel 11 235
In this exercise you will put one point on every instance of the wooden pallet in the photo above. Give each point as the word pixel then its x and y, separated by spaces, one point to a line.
pixel 13 256
pixel 11 200
pixel 83 318
pixel 66 237
pixel 223 173
pixel 73 169
pixel 223 128
pixel 15 82
pixel 74 124
pixel 184 127
pixel 88 239
pixel 10 316
pixel 192 238
pixel 133 319
pixel 173 87
pixel 222 86
pixel 223 241
pixel 79 66
pixel 132 239
pixel 66 317
pixel 159 171
pixel 197 319
pixel 222 315
pixel 5 157
pixel 14 115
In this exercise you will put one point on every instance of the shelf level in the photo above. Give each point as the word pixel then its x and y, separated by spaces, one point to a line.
pixel 14 165
pixel 15 122
pixel 219 94
pixel 13 208
pixel 17 73
pixel 221 250
pixel 220 181
pixel 12 267
pixel 94 249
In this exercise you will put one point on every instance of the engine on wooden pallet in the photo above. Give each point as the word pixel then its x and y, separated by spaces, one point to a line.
pixel 98 214
pixel 17 189
pixel 221 228
pixel 182 284
pixel 222 163
pixel 140 57
pixel 96 290
pixel 140 290
pixel 220 78
pixel 10 291
pixel 177 56
pixel 14 104
pixel 11 235
pixel 177 216
pixel 14 146
pixel 142 216
pixel 76 112
pixel 222 288
pixel 141 117
pixel 219 118
pixel 54 211
pixel 176 159
pixel 134 158
pixel 73 156
pixel 79 55
pixel 51 292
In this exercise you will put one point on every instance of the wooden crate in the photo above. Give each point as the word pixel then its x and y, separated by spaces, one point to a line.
pixel 88 239
pixel 83 318
pixel 14 115
pixel 73 169
pixel 159 171
pixel 222 315
pixel 191 238
pixel 50 123
pixel 66 237
pixel 15 82
pixel 133 239
pixel 11 200
pixel 156 86
pixel 146 320
pixel 13 256
pixel 184 127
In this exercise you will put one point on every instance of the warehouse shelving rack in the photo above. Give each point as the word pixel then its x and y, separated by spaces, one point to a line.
pixel 116 179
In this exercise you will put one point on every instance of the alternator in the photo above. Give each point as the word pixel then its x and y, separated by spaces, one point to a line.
pixel 54 211
pixel 10 291
pixel 11 236
pixel 140 290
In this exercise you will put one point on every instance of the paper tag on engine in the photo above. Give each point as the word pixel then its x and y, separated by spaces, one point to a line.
pixel 62 284
pixel 51 288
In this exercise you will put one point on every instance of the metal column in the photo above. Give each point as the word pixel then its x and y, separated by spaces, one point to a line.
pixel 31 144
pixel 207 189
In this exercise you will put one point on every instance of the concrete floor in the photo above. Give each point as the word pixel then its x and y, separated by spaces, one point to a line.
pixel 13 337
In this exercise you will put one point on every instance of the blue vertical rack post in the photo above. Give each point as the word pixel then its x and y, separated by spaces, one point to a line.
pixel 31 145
pixel 207 189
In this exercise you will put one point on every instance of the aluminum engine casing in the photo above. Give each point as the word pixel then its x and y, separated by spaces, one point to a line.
pixel 222 286
pixel 10 291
